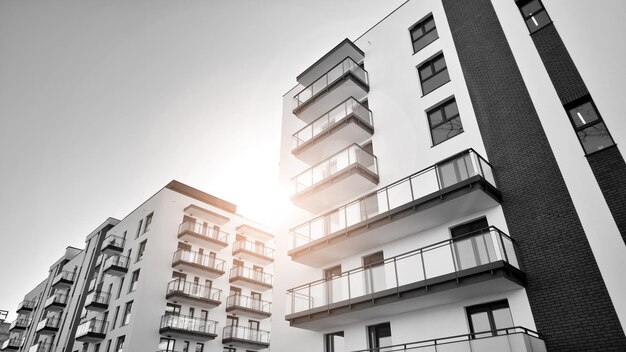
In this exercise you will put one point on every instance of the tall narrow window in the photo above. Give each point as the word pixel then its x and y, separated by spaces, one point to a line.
pixel 444 121
pixel 119 346
pixel 148 222
pixel 334 342
pixel 133 281
pixel 433 73
pixel 472 244
pixel 534 14
pixel 487 319
pixel 127 313
pixel 119 289
pixel 141 249
pixel 185 346
pixel 374 271
pixel 379 335
pixel 117 312
pixel 139 228
pixel 423 33
pixel 590 129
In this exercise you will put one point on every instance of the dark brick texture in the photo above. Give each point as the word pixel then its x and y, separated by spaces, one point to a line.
pixel 568 297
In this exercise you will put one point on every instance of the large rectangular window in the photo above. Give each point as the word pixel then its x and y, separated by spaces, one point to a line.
pixel 433 73
pixel 487 319
pixel 591 131
pixel 423 33
pixel 444 121
pixel 534 14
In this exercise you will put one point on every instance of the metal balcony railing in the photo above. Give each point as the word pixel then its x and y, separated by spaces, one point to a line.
pixel 442 258
pixel 98 297
pixel 341 69
pixel 116 261
pixel 57 298
pixel 246 334
pixel 13 342
pixel 49 322
pixel 185 323
pixel 27 305
pixel 193 289
pixel 21 322
pixel 113 241
pixel 250 303
pixel 41 347
pixel 203 230
pixel 64 276
pixel 250 274
pixel 93 326
pixel 203 260
pixel 250 246
pixel 346 108
pixel 432 179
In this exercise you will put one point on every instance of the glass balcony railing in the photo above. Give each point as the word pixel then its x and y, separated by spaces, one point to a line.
pixel 56 299
pixel 204 231
pixel 238 271
pixel 92 285
pixel 253 247
pixel 203 260
pixel 26 305
pixel 92 327
pixel 451 256
pixel 13 342
pixel 344 67
pixel 189 324
pixel 113 243
pixel 446 173
pixel 21 323
pixel 247 302
pixel 41 347
pixel 100 298
pixel 345 158
pixel 350 107
pixel 48 323
pixel 64 278
pixel 116 262
pixel 192 289
pixel 246 334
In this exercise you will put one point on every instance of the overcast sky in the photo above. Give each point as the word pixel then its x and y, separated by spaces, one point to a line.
pixel 104 102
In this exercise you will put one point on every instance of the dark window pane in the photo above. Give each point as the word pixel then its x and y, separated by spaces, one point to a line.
pixel 537 21
pixel 583 114
pixel 417 32
pixel 425 72
pixel 447 130
pixel 595 138
pixel 425 40
pixel 531 8
pixel 435 82
pixel 429 24
pixel 440 63
pixel 435 117
pixel 451 109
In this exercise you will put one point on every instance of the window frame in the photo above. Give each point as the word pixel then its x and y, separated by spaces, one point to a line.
pixel 329 342
pixel 488 308
pixel 122 340
pixel 134 280
pixel 579 102
pixel 128 311
pixel 141 249
pixel 148 222
pixel 420 24
pixel 441 107
pixel 431 62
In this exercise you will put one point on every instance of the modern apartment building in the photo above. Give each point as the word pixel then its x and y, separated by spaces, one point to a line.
pixel 456 178
pixel 182 272
pixel 4 326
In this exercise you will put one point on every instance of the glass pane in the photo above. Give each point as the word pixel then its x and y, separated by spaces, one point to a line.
pixel 440 63
pixel 583 114
pixel 447 130
pixel 435 117
pixel 537 21
pixel 417 32
pixel 531 7
pixel 447 174
pixel 435 82
pixel 425 72
pixel 425 40
pixel 480 322
pixel 595 138
pixel 451 109
pixel 502 318
pixel 429 24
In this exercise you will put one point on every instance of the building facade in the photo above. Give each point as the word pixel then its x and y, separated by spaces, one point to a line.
pixel 455 175
pixel 182 272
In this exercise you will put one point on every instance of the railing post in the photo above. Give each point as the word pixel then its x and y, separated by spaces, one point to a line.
pixel 310 298
pixel 395 269
pixel 424 269
pixel 438 178
pixel 506 257
pixel 456 272
pixel 411 187
pixel 387 196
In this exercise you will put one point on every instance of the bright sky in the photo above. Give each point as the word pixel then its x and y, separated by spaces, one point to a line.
pixel 104 102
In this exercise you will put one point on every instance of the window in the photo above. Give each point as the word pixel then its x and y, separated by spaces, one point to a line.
pixel 127 313
pixel 133 281
pixel 591 130
pixel 433 73
pixel 444 121
pixel 166 345
pixel 117 312
pixel 423 33
pixel 119 346
pixel 142 248
pixel 108 346
pixel 379 335
pixel 486 319
pixel 534 14
pixel 374 272
pixel 139 228
pixel 334 342
pixel 148 222
pixel 472 244
pixel 97 348
pixel 185 346
pixel 199 347
pixel 173 309
pixel 119 289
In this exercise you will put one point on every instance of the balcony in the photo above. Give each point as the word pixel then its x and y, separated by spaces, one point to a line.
pixel 248 306
pixel 97 301
pixel 514 339
pixel 198 264
pixel 188 328
pixel 480 263
pixel 20 324
pixel 253 251
pixel 116 265
pixel 193 294
pixel 99 260
pixel 92 331
pixel 56 303
pixel 346 79
pixel 202 235
pixel 350 172
pixel 92 284
pixel 48 326
pixel 113 245
pixel 41 347
pixel 64 280
pixel 26 306
pixel 254 279
pixel 347 123
pixel 255 232
pixel 344 49
pixel 456 187
pixel 244 337
pixel 13 343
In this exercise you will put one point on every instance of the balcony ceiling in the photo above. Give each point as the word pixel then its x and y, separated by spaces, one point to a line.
pixel 344 49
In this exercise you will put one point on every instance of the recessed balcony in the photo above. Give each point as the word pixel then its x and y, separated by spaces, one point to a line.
pixel 453 188
pixel 13 343
pixel 244 337
pixel 346 79
pixel 56 303
pixel 48 326
pixel 113 245
pixel 116 265
pixel 184 327
pixel 476 264
pixel 254 279
pixel 198 263
pixel 64 280
pixel 20 324
pixel 246 305
pixel 350 172
pixel 41 347
pixel 193 294
pixel 347 123
pixel 253 252
pixel 203 235
pixel 97 301
pixel 26 306
pixel 92 331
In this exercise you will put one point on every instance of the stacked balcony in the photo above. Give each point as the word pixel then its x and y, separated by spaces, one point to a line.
pixel 13 343
pixel 48 326
pixel 56 303
pixel 253 251
pixel 244 337
pixel 254 279
pixel 113 245
pixel 26 306
pixel 184 327
pixel 92 331
pixel 246 305
pixel 187 292
pixel 251 231
pixel 41 347
pixel 116 265
pixel 20 324
pixel 453 188
pixel 64 280
pixel 97 301
pixel 202 235
pixel 198 263
pixel 485 260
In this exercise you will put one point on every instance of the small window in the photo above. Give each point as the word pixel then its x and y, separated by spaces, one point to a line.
pixel 127 313
pixel 379 335
pixel 108 346
pixel 142 248
pixel 148 222
pixel 172 309
pixel 433 73
pixel 488 319
pixel 423 33
pixel 119 346
pixel 334 342
pixel 591 130
pixel 133 281
pixel 185 346
pixel 119 289
pixel 139 228
pixel 534 14
pixel 199 347
pixel 117 312
pixel 444 121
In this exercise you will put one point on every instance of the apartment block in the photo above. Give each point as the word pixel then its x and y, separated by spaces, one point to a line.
pixel 456 186
pixel 182 272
